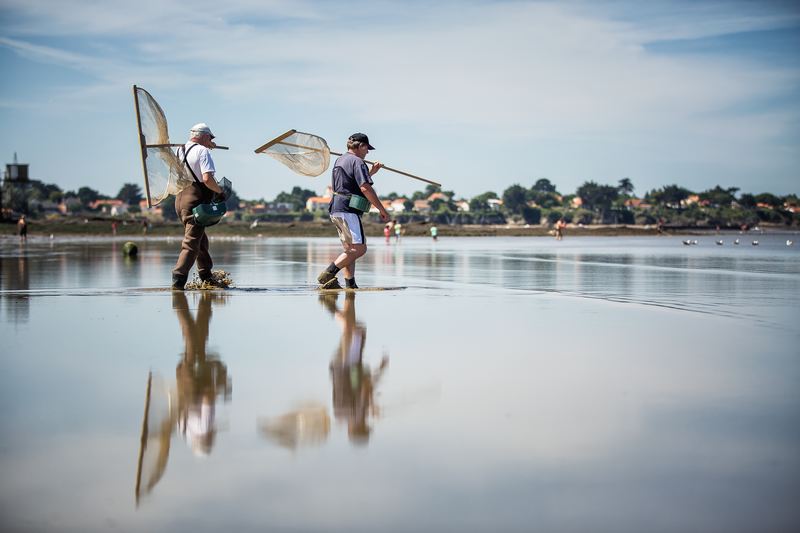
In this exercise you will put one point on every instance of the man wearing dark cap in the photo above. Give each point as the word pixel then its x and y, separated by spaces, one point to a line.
pixel 195 155
pixel 352 196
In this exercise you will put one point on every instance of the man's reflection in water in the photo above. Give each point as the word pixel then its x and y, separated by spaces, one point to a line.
pixel 190 405
pixel 354 383
pixel 200 376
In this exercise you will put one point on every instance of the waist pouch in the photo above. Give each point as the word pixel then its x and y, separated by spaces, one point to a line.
pixel 359 202
pixel 209 214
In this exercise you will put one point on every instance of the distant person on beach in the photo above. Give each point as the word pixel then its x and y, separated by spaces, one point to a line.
pixel 22 227
pixel 352 195
pixel 398 230
pixel 114 227
pixel 434 233
pixel 196 156
pixel 145 226
pixel 387 230
pixel 560 225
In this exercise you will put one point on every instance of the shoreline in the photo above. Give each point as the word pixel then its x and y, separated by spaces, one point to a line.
pixel 323 228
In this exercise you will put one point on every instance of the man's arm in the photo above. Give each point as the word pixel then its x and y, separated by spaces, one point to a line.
pixel 369 192
pixel 211 183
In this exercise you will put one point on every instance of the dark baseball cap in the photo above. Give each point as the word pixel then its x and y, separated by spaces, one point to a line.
pixel 361 138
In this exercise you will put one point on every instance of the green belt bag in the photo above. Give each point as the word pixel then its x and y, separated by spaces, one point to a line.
pixel 209 214
pixel 359 202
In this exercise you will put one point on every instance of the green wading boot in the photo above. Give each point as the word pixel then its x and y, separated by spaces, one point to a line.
pixel 325 277
pixel 331 284
pixel 178 282
pixel 213 283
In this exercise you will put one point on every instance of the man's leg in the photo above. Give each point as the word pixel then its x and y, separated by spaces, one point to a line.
pixel 204 262
pixel 351 233
pixel 347 260
pixel 192 236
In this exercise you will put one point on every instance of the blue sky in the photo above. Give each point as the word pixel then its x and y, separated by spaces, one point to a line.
pixel 477 95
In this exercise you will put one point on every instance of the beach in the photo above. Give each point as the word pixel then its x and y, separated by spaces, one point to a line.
pixel 509 384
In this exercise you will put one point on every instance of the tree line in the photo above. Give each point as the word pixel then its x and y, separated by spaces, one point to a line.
pixel 591 203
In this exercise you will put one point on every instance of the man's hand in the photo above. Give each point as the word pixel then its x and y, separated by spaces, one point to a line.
pixel 385 216
pixel 376 166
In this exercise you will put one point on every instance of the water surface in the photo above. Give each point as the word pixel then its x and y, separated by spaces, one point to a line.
pixel 592 384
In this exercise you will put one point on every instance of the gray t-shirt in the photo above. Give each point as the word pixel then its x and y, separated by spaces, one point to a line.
pixel 349 173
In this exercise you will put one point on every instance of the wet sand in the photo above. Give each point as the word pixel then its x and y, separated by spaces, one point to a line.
pixel 512 385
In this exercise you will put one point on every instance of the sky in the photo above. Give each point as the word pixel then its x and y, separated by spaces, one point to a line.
pixel 475 94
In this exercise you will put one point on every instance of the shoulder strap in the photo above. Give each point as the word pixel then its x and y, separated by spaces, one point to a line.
pixel 185 162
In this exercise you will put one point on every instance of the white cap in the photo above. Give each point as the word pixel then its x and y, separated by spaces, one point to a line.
pixel 201 127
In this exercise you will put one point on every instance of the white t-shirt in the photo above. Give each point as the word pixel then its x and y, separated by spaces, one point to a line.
pixel 199 159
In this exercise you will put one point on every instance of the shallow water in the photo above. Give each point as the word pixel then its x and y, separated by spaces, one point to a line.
pixel 592 384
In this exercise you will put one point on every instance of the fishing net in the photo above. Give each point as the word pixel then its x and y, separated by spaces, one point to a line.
pixel 309 155
pixel 308 425
pixel 163 172
pixel 304 153
pixel 156 435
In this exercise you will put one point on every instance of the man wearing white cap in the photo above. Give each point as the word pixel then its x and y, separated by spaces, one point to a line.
pixel 196 156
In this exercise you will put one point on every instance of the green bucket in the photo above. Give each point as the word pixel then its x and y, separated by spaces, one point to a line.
pixel 359 202
pixel 209 214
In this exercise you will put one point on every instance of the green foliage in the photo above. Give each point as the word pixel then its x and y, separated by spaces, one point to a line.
pixel 87 195
pixel 478 204
pixel 747 200
pixel 531 215
pixel 130 193
pixel 168 208
pixel 515 198
pixel 669 195
pixel 719 196
pixel 625 186
pixel 554 216
pixel 769 199
pixel 232 201
pixel 297 198
pixel 544 185
pixel 597 197
pixel 544 199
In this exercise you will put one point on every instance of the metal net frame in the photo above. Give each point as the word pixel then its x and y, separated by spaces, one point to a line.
pixel 164 173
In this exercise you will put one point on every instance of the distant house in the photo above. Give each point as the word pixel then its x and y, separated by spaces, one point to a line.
pixel 577 202
pixel 387 204
pixel 278 207
pixel 112 207
pixel 422 206
pixel 398 205
pixel 318 203
pixel 694 199
pixel 438 196
pixel 494 203
pixel 462 205
pixel 636 203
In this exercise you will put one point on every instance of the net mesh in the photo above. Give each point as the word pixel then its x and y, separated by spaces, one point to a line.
pixel 304 153
pixel 156 436
pixel 163 172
